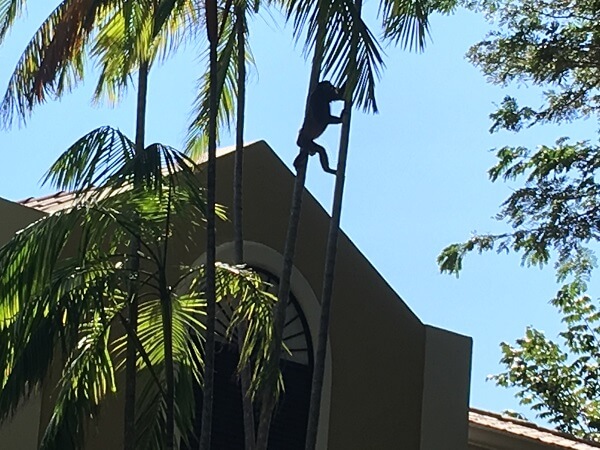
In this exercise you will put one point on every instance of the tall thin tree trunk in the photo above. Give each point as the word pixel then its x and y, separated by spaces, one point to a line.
pixel 167 317
pixel 268 404
pixel 209 350
pixel 240 19
pixel 330 259
pixel 239 138
pixel 129 432
pixel 283 294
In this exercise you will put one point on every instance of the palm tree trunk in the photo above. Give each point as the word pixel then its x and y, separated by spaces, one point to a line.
pixel 239 138
pixel 238 230
pixel 167 318
pixel 330 259
pixel 129 432
pixel 268 404
pixel 283 294
pixel 209 350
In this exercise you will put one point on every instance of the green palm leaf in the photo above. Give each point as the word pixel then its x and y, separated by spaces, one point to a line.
pixel 10 10
pixel 91 160
pixel 340 20
pixel 140 32
pixel 106 157
pixel 119 33
pixel 227 78
pixel 186 323
pixel 87 378
pixel 53 61
pixel 406 22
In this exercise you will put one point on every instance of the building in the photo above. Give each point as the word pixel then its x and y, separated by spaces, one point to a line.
pixel 390 382
pixel 491 431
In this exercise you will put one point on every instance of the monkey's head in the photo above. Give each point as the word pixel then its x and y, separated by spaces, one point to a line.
pixel 328 91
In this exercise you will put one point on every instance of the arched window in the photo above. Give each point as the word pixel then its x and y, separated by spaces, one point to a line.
pixel 288 428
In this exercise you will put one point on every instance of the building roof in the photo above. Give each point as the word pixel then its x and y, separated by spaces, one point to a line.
pixel 62 199
pixel 510 426
pixel 49 203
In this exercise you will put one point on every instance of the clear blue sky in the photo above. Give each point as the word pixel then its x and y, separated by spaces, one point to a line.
pixel 416 178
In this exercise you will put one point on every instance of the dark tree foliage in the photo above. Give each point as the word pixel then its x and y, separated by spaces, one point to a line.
pixel 554 44
pixel 555 215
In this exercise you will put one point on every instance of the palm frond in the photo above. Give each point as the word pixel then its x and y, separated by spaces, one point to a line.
pixel 197 136
pixel 53 61
pixel 186 320
pixel 145 214
pixel 104 161
pixel 29 259
pixel 188 313
pixel 124 39
pixel 61 254
pixel 10 10
pixel 45 297
pixel 406 22
pixel 343 25
pixel 66 314
pixel 140 32
pixel 91 160
pixel 58 319
pixel 152 412
pixel 244 290
pixel 151 415
pixel 175 23
pixel 24 367
pixel 254 306
pixel 86 380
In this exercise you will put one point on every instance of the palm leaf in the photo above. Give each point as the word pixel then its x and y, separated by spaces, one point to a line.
pixel 139 32
pixel 186 321
pixel 406 22
pixel 133 34
pixel 10 10
pixel 24 366
pixel 104 160
pixel 52 62
pixel 91 160
pixel 29 260
pixel 87 378
pixel 341 21
pixel 245 291
pixel 197 137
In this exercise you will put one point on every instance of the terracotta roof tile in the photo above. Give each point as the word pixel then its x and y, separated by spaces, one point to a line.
pixel 528 430
pixel 62 199
pixel 49 203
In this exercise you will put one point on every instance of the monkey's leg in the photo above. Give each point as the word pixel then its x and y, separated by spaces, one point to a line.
pixel 324 159
pixel 334 120
pixel 300 158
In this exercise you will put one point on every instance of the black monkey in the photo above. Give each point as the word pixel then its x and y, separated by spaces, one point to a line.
pixel 318 116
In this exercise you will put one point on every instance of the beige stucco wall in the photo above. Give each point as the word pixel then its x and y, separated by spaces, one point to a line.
pixel 14 217
pixel 379 348
pixel 21 431
pixel 378 345
pixel 370 329
pixel 445 415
